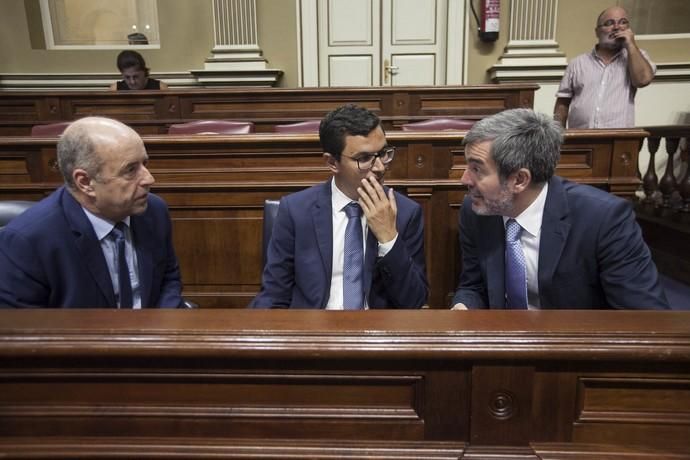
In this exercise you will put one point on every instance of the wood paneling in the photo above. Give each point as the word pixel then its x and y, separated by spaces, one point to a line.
pixel 382 384
pixel 152 112
pixel 215 187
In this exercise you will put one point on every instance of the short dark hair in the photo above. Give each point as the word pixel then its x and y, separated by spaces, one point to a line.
pixel 347 120
pixel 129 58
pixel 522 138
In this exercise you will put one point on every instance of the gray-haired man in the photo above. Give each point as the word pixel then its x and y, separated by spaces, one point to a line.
pixel 533 240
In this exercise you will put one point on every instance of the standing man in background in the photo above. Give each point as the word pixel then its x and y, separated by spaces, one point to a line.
pixel 598 88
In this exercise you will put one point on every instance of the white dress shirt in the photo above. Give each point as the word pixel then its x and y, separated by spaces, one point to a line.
pixel 338 202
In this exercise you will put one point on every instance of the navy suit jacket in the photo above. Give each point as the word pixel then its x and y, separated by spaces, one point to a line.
pixel 591 254
pixel 300 256
pixel 50 257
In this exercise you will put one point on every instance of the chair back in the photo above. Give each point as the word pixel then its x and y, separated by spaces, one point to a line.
pixel 212 127
pixel 12 208
pixel 49 130
pixel 270 214
pixel 440 124
pixel 308 126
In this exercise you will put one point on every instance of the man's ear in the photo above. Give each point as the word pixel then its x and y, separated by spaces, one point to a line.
pixel 82 181
pixel 331 162
pixel 522 179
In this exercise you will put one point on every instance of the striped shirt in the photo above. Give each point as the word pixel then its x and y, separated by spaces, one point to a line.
pixel 601 95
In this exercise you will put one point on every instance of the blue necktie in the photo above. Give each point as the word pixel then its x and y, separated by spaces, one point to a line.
pixel 353 264
pixel 122 268
pixel 516 273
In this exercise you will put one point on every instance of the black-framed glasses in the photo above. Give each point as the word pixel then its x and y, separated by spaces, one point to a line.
pixel 611 22
pixel 366 161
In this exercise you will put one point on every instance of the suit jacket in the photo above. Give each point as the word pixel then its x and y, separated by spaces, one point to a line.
pixel 591 254
pixel 300 256
pixel 50 257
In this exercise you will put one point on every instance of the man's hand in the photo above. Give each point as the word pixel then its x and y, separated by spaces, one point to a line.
pixel 625 37
pixel 379 209
pixel 459 306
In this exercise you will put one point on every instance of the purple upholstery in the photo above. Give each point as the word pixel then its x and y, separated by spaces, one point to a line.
pixel 309 126
pixel 212 127
pixel 440 124
pixel 50 130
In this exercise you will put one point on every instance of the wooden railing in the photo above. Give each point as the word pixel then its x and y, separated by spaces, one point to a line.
pixel 215 187
pixel 152 112
pixel 315 384
pixel 674 186
pixel 664 209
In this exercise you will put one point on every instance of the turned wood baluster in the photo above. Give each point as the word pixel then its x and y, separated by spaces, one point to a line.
pixel 684 186
pixel 650 180
pixel 667 184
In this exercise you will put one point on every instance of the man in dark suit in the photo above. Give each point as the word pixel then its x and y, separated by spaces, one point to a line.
pixel 70 249
pixel 530 239
pixel 312 264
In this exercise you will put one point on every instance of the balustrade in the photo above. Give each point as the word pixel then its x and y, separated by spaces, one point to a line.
pixel 668 196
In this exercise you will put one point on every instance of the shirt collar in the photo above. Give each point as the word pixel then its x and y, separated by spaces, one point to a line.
pixel 530 219
pixel 620 53
pixel 102 226
pixel 338 199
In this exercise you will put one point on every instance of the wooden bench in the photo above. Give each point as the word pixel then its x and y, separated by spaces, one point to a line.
pixel 215 187
pixel 152 112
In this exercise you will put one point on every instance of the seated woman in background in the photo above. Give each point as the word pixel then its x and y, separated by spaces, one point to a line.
pixel 135 74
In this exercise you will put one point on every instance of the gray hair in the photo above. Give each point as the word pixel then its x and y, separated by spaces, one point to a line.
pixel 76 149
pixel 522 138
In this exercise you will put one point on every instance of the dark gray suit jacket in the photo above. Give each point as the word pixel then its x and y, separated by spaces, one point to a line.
pixel 591 254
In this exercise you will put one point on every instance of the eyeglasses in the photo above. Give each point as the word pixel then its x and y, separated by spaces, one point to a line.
pixel 367 160
pixel 611 22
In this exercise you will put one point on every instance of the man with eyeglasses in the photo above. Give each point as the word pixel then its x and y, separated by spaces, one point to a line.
pixel 349 243
pixel 101 240
pixel 598 88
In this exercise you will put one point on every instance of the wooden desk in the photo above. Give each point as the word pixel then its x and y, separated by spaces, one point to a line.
pixel 152 112
pixel 429 384
pixel 216 186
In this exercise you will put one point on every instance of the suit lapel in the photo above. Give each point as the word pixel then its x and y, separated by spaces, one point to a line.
pixel 141 238
pixel 88 245
pixel 323 226
pixel 495 262
pixel 555 227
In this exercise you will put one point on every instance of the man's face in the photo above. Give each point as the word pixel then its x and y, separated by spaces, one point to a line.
pixel 348 176
pixel 610 23
pixel 134 77
pixel 490 196
pixel 121 187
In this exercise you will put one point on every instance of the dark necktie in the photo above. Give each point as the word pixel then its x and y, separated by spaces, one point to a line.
pixel 122 267
pixel 353 264
pixel 516 273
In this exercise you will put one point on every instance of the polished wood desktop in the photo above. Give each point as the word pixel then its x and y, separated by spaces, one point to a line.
pixel 426 384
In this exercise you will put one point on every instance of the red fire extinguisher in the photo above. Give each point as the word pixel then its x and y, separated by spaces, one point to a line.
pixel 490 18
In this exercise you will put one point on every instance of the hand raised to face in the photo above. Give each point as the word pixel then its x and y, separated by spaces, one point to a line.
pixel 379 208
